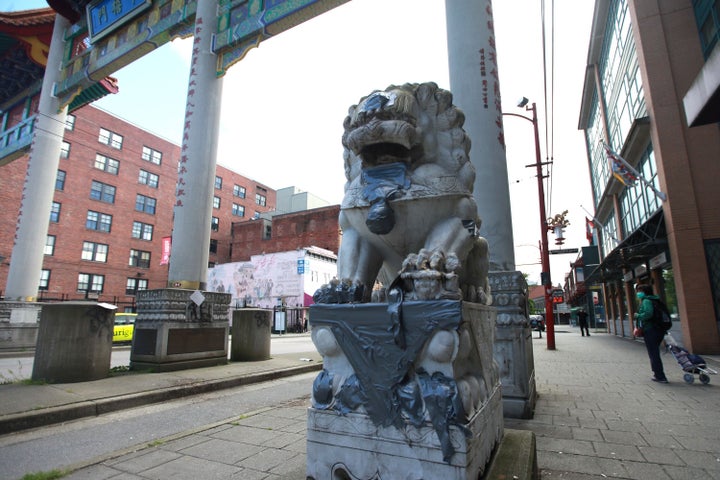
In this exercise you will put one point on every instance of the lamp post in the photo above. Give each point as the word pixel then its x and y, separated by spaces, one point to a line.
pixel 544 252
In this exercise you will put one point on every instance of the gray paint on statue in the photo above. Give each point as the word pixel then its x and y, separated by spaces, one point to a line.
pixel 387 386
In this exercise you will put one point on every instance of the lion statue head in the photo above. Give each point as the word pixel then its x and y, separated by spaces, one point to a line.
pixel 408 197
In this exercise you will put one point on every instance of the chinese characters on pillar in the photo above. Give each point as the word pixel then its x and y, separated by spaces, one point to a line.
pixel 490 77
pixel 189 111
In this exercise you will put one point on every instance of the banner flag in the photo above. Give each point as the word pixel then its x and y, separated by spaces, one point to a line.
pixel 620 168
pixel 589 229
pixel 626 174
pixel 166 245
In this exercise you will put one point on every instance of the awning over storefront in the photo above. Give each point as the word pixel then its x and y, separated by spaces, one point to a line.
pixel 648 241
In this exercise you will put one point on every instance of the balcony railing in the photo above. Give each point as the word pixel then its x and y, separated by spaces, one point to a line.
pixel 16 140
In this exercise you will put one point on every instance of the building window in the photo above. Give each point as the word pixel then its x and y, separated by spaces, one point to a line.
pixel 620 75
pixel 95 252
pixel 707 16
pixel 215 226
pixel 638 203
pixel 213 246
pixel 598 157
pixel 134 284
pixel 50 245
pixel 106 164
pixel 60 180
pixel 98 221
pixel 712 256
pixel 89 282
pixel 111 139
pixel 256 215
pixel 267 233
pixel 239 191
pixel 102 192
pixel 151 155
pixel 143 231
pixel 64 150
pixel 238 210
pixel 608 234
pixel 55 212
pixel 139 258
pixel 44 280
pixel 145 204
pixel 216 202
pixel 70 122
pixel 149 179
pixel 260 199
pixel 218 182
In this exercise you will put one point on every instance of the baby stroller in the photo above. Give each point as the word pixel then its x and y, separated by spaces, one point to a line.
pixel 691 364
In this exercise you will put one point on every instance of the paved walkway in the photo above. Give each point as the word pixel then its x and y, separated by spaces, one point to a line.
pixel 598 415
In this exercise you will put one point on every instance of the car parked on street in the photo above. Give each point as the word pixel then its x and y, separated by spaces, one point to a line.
pixel 124 328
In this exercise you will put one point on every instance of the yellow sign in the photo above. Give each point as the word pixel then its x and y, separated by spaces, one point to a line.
pixel 124 327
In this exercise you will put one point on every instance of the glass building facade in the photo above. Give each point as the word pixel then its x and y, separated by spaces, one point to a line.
pixel 649 231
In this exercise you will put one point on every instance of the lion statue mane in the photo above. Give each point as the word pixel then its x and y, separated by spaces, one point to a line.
pixel 408 217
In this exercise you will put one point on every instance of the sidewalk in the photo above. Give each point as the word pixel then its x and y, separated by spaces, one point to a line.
pixel 598 415
pixel 26 406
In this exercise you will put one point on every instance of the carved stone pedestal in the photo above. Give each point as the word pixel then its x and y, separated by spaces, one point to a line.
pixel 177 329
pixel 513 344
pixel 408 391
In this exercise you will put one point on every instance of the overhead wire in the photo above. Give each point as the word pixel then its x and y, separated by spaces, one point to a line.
pixel 549 99
pixel 551 165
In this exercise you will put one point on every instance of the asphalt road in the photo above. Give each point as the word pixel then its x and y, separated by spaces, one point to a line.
pixel 60 446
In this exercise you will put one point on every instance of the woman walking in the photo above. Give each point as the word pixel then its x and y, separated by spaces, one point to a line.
pixel 652 333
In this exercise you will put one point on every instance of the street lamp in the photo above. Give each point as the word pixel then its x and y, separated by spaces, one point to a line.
pixel 544 252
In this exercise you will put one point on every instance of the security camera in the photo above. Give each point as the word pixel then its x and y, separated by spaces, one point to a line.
pixel 522 102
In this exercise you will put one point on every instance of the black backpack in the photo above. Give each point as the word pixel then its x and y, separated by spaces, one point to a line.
pixel 661 316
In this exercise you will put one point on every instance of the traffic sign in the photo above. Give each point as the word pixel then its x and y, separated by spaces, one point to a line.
pixel 563 250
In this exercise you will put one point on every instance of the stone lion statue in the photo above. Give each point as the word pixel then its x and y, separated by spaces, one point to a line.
pixel 408 217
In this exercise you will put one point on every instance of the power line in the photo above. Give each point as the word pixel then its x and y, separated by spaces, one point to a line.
pixel 549 106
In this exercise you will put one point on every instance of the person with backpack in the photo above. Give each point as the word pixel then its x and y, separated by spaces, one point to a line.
pixel 652 330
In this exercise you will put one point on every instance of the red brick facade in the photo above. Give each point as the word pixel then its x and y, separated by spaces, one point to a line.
pixel 80 170
pixel 317 227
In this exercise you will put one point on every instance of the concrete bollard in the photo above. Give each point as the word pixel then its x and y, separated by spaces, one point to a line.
pixel 251 334
pixel 74 342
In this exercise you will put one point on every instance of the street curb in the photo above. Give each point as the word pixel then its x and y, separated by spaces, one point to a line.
pixel 91 408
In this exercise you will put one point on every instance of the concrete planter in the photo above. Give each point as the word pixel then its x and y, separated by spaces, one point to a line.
pixel 74 342
pixel 251 334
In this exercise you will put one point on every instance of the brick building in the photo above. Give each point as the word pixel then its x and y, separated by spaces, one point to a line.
pixel 317 227
pixel 281 259
pixel 644 57
pixel 112 207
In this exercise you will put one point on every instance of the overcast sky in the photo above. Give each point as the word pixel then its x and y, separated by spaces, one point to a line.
pixel 284 104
